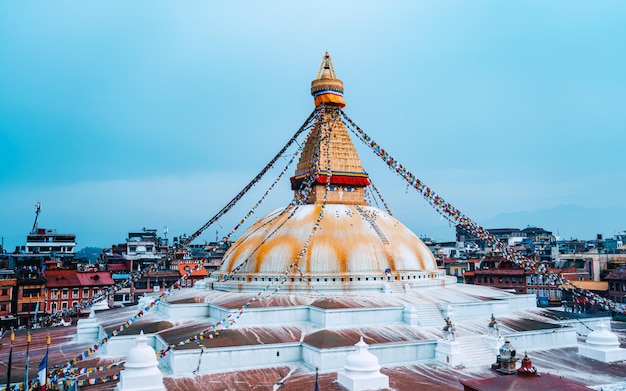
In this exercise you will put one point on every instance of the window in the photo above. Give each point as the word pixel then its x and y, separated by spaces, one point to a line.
pixel 5 292
pixel 506 279
pixel 85 292
pixel 54 293
pixel 75 293
pixel 31 292
pixel 500 280
pixel 3 307
pixel 64 305
pixel 480 279
pixel 64 294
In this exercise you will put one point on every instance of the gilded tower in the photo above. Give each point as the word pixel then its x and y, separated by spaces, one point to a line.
pixel 329 157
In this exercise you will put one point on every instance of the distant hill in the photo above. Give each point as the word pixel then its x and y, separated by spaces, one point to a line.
pixel 566 221
pixel 91 253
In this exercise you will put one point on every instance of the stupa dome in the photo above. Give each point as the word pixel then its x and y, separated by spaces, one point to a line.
pixel 602 337
pixel 354 245
pixel 142 355
pixel 362 360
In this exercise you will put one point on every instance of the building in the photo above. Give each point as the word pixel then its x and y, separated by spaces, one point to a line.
pixel 8 285
pixel 66 288
pixel 617 284
pixel 496 271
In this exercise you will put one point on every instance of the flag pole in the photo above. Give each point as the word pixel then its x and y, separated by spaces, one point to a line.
pixel 27 359
pixel 11 338
pixel 45 384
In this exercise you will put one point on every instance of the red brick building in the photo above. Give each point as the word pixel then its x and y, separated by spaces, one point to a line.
pixel 501 273
pixel 66 288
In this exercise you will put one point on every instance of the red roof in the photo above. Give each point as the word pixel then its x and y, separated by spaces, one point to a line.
pixel 500 272
pixel 545 382
pixel 95 278
pixel 72 278
pixel 196 273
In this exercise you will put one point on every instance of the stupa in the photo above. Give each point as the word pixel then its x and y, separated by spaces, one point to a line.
pixel 355 246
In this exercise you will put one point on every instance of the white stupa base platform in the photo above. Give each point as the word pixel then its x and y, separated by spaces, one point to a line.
pixel 88 329
pixel 602 345
pixel 449 352
pixel 608 355
pixel 359 382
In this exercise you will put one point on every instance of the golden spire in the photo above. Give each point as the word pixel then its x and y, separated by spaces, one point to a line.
pixel 335 155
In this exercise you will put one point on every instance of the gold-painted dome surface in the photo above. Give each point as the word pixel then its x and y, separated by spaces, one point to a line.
pixel 350 240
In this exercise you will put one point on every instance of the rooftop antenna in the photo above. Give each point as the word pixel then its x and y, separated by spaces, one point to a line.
pixel 37 211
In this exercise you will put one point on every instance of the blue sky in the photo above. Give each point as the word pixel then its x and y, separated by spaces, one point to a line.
pixel 121 115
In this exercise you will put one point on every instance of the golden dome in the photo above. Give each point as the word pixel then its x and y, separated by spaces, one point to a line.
pixel 354 247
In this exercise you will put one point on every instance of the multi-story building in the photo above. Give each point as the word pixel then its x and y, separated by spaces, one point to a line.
pixel 617 284
pixel 49 243
pixel 67 288
pixel 496 271
pixel 8 284
pixel 462 269
pixel 28 295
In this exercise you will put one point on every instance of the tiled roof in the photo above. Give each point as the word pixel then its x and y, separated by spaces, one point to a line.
pixel 591 285
pixel 74 278
pixel 182 269
pixel 61 279
pixel 95 278
pixel 545 382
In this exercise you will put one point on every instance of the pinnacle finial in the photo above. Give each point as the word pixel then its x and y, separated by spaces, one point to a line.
pixel 326 88
pixel 326 68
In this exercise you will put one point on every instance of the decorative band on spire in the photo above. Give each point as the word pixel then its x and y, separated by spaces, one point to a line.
pixel 327 89
pixel 340 178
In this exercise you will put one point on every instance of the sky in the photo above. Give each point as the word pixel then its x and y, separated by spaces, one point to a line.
pixel 120 115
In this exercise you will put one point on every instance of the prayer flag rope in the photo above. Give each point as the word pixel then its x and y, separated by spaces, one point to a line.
pixel 70 365
pixel 251 184
pixel 457 218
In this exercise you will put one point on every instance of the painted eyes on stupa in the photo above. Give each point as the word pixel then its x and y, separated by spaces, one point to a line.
pixel 346 189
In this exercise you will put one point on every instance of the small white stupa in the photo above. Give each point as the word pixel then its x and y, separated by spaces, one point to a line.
pixel 602 345
pixel 141 370
pixel 362 371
